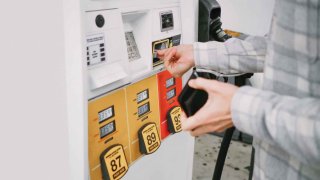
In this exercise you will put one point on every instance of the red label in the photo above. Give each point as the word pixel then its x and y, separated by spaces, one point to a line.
pixel 169 90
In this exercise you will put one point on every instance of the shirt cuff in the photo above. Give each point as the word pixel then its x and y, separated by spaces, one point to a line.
pixel 205 55
pixel 211 55
pixel 246 109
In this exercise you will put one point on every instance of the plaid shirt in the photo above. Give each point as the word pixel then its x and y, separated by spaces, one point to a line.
pixel 283 116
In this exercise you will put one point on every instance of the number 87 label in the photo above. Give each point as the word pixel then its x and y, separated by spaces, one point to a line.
pixel 149 140
pixel 113 163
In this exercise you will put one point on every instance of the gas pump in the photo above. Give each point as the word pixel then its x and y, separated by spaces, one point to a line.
pixel 132 100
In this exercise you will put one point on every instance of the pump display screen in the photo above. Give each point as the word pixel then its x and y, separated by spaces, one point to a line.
pixel 143 109
pixel 142 96
pixel 166 21
pixel 106 114
pixel 170 82
pixel 171 94
pixel 107 129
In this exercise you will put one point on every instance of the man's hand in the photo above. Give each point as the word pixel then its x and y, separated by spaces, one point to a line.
pixel 215 115
pixel 178 59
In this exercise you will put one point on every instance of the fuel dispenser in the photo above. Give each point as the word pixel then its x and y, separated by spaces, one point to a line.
pixel 209 26
pixel 127 85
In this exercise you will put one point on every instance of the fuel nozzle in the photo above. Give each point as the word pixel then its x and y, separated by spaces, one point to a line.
pixel 216 32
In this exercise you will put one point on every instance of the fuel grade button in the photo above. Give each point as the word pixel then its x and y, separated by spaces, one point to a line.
pixel 174 119
pixel 113 163
pixel 149 140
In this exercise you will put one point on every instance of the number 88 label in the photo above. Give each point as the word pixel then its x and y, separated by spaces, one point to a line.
pixel 149 140
pixel 113 163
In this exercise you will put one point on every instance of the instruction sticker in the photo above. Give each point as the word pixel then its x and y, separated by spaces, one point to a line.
pixel 95 49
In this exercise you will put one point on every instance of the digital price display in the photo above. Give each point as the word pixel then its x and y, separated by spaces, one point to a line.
pixel 142 96
pixel 166 21
pixel 149 140
pixel 171 93
pixel 143 109
pixel 106 114
pixel 107 129
pixel 170 82
pixel 113 163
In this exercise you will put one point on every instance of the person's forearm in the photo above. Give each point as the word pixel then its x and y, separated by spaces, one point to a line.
pixel 291 123
pixel 232 56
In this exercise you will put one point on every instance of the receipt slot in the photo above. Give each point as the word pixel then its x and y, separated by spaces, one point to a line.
pixel 169 89
pixel 143 108
pixel 108 136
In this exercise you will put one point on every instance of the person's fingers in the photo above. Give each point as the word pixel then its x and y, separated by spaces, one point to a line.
pixel 220 127
pixel 169 55
pixel 183 116
pixel 189 123
pixel 161 53
pixel 168 60
pixel 207 85
pixel 201 119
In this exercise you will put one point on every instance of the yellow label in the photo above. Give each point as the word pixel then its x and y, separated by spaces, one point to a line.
pixel 175 115
pixel 116 162
pixel 107 125
pixel 142 110
pixel 151 138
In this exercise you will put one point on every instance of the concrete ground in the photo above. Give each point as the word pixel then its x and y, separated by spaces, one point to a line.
pixel 206 151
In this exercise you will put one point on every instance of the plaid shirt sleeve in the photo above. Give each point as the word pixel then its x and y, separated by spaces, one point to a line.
pixel 232 56
pixel 288 122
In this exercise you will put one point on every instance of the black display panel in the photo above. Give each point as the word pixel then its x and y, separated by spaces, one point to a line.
pixel 143 109
pixel 107 129
pixel 171 93
pixel 166 21
pixel 141 96
pixel 106 114
pixel 170 82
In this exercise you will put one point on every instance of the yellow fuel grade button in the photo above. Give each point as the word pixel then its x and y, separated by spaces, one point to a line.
pixel 149 140
pixel 113 163
pixel 174 119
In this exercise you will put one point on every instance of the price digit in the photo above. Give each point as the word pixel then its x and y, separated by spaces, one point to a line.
pixel 149 140
pixel 153 137
pixel 114 164
pixel 177 119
